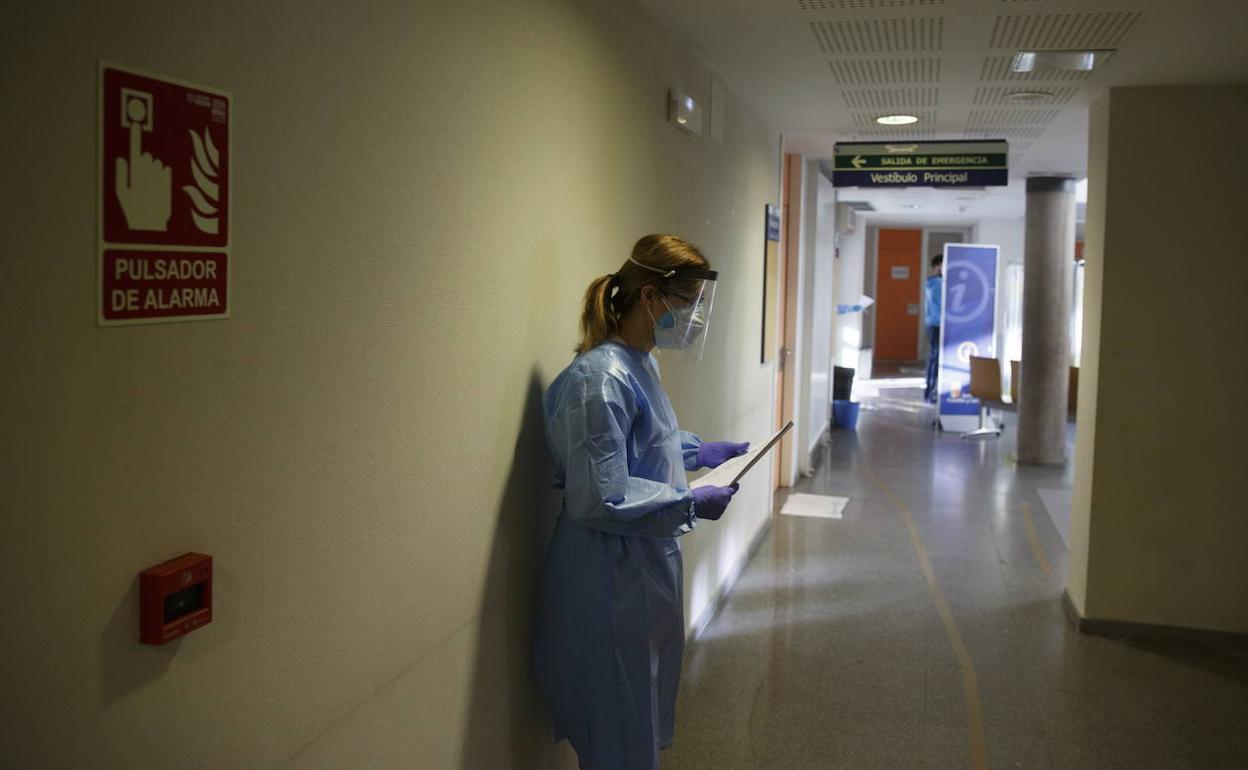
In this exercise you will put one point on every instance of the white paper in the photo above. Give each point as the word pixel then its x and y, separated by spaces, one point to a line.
pixel 732 470
pixel 815 506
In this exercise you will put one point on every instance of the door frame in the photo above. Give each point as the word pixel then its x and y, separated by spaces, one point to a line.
pixel 792 178
pixel 968 236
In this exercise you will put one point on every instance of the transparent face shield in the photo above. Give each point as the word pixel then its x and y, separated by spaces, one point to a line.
pixel 680 330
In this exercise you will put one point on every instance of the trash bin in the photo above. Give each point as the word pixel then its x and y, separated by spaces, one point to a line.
pixel 842 383
pixel 845 414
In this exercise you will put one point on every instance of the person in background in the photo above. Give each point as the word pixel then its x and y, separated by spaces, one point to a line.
pixel 933 291
pixel 610 630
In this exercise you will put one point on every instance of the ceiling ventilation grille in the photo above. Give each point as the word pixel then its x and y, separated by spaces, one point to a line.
pixel 997 68
pixel 1005 132
pixel 991 95
pixel 867 119
pixel 1071 31
pixel 893 135
pixel 865 72
pixel 1012 117
pixel 891 98
pixel 879 35
pixel 862 5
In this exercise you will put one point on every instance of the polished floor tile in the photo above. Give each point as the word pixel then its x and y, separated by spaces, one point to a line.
pixel 831 651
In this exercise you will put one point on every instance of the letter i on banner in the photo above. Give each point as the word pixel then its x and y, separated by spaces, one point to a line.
pixel 968 328
pixel 164 199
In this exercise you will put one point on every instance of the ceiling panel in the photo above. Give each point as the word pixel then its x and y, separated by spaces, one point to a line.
pixel 1000 95
pixel 879 35
pixel 873 56
pixel 903 135
pixel 1012 116
pixel 854 72
pixel 1063 31
pixel 884 99
pixel 857 5
pixel 1004 132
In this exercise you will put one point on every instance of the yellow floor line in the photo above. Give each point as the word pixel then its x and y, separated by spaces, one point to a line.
pixel 970 685
pixel 1030 524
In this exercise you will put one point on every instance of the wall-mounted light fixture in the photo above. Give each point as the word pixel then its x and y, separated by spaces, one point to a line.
pixel 683 111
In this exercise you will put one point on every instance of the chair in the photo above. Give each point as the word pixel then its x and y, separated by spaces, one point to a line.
pixel 985 386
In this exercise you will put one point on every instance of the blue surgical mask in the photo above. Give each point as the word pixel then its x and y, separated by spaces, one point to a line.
pixel 679 328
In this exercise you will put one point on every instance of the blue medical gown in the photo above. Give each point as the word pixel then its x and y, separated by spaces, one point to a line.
pixel 610 623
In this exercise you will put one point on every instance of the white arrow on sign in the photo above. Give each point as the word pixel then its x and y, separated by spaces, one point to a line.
pixel 858 162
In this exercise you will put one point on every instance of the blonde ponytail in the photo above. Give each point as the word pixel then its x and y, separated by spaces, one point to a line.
pixel 598 320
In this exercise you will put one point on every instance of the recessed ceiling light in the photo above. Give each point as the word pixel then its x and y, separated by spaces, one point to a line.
pixel 1076 61
pixel 896 120
pixel 1028 96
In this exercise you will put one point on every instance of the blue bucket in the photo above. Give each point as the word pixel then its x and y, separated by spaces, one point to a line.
pixel 845 414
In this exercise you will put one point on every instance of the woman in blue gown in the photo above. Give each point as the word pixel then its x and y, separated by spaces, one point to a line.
pixel 609 631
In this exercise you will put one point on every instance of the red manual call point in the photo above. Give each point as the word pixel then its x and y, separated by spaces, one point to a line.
pixel 175 598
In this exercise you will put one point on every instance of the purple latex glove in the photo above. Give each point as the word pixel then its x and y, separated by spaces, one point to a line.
pixel 710 502
pixel 713 454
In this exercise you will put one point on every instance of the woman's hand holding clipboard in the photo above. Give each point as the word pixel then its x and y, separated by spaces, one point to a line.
pixel 731 472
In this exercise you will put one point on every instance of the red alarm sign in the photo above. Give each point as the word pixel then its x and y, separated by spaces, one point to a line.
pixel 164 198
pixel 175 598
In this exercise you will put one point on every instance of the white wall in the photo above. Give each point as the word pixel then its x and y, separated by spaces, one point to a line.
pixel 823 307
pixel 422 193
pixel 815 312
pixel 1158 525
pixel 1008 234
pixel 1089 370
pixel 847 287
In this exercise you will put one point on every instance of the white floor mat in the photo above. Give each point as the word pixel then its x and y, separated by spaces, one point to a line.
pixel 817 506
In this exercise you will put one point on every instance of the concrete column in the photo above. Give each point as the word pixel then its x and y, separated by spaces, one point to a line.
pixel 1047 269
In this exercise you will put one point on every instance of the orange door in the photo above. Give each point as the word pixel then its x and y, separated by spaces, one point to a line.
pixel 898 304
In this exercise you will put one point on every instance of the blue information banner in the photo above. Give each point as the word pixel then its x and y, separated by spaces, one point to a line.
pixel 968 326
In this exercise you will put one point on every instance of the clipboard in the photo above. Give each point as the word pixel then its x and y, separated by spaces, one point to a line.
pixel 731 471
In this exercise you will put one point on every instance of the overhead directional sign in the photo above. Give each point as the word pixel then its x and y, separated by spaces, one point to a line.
pixel 966 163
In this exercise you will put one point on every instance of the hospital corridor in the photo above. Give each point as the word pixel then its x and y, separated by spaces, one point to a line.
pixel 836 648
pixel 624 385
